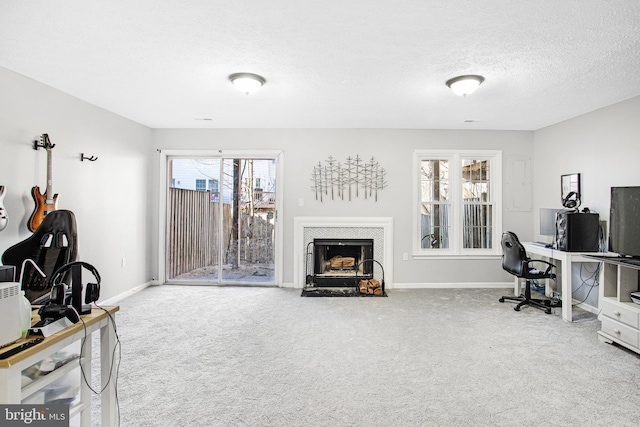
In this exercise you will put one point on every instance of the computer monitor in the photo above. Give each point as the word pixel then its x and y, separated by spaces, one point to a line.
pixel 624 221
pixel 548 221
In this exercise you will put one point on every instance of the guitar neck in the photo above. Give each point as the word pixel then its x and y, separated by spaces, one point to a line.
pixel 49 191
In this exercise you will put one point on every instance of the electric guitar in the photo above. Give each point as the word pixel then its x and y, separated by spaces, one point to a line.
pixel 4 219
pixel 48 201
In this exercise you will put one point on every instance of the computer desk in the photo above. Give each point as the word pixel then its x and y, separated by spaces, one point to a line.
pixel 563 262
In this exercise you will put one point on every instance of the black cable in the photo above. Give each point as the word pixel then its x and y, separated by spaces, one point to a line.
pixel 593 276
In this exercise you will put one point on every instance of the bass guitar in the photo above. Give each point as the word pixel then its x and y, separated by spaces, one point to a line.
pixel 48 201
pixel 4 219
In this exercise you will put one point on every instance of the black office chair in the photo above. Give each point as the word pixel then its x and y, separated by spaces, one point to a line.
pixel 516 262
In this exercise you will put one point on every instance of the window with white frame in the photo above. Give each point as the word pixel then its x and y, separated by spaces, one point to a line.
pixel 201 185
pixel 458 202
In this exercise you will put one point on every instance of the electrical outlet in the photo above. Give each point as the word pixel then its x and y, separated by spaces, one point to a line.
pixel 124 262
pixel 405 256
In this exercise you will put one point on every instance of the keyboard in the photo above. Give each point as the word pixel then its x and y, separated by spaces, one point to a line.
pixel 543 244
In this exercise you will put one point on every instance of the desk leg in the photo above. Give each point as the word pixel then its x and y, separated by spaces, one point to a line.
pixel 516 286
pixel 107 374
pixel 10 386
pixel 567 300
pixel 85 392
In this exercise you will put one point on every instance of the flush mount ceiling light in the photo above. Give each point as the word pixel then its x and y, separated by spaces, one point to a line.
pixel 464 85
pixel 247 83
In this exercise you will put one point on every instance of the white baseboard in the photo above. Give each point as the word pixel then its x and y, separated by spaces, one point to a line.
pixel 120 297
pixel 463 285
pixel 587 307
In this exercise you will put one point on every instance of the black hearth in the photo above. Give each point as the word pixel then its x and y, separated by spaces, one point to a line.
pixel 338 262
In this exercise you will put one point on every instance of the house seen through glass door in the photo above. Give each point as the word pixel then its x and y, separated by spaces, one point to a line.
pixel 221 220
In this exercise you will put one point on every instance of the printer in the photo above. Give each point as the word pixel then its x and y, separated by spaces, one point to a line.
pixel 10 301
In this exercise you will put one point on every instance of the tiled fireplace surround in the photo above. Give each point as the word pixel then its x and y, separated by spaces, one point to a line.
pixel 380 229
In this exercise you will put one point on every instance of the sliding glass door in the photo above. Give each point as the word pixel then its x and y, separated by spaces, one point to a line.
pixel 221 220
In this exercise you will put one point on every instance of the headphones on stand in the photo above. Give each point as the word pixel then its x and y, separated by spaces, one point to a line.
pixel 58 290
pixel 571 200
pixel 60 304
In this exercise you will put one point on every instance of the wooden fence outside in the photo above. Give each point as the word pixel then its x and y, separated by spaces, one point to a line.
pixel 193 233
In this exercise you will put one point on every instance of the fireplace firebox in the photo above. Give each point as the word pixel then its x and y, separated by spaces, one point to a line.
pixel 338 262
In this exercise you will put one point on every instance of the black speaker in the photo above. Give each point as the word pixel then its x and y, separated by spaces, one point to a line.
pixel 577 232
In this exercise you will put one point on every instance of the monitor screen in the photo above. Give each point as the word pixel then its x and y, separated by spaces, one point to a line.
pixel 548 221
pixel 624 221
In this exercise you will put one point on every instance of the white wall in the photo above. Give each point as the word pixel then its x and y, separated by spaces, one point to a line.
pixel 603 146
pixel 393 149
pixel 109 197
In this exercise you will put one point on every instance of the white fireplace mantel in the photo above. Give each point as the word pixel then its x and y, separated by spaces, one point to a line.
pixel 380 229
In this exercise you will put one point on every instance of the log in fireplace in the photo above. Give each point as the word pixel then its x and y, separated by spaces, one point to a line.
pixel 339 262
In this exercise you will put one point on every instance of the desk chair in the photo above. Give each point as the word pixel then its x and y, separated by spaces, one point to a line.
pixel 52 245
pixel 516 262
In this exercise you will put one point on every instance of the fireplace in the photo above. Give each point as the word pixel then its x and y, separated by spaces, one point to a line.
pixel 307 229
pixel 339 262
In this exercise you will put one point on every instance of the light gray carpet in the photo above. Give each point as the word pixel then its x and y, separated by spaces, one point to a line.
pixel 243 356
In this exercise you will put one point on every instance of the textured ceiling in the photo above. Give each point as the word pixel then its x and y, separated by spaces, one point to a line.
pixel 330 63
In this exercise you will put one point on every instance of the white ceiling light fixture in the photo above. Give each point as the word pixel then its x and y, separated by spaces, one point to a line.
pixel 464 85
pixel 247 83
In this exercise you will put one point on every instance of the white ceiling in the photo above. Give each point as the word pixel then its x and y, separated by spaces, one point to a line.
pixel 330 63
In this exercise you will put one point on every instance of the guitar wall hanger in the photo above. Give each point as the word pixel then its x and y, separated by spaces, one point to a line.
pixel 91 159
pixel 43 142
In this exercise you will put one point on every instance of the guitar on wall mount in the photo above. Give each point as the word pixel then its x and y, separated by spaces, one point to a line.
pixel 48 201
pixel 4 219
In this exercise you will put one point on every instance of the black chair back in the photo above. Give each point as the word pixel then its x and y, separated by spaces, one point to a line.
pixel 52 245
pixel 514 256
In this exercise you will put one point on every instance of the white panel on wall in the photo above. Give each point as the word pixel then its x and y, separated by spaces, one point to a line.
pixel 518 190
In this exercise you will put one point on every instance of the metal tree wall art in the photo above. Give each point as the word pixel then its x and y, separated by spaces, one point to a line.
pixel 335 181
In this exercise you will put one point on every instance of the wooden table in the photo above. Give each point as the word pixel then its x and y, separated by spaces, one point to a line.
pixel 12 392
